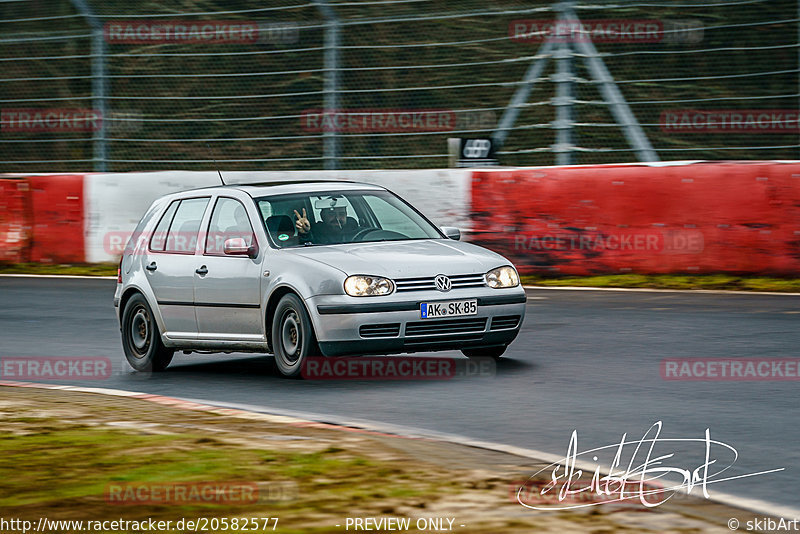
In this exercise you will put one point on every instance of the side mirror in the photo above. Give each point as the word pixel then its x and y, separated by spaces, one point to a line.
pixel 451 232
pixel 236 246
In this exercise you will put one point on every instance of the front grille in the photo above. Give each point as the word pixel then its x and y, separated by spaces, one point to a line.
pixel 459 281
pixel 505 322
pixel 379 330
pixel 446 326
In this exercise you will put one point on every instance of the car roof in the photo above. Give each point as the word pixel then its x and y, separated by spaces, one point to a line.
pixel 290 186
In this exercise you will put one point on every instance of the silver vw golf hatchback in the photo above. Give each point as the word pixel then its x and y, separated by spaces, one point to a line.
pixel 301 269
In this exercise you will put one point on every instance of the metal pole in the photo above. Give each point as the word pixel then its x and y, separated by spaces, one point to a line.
pixel 99 90
pixel 564 100
pixel 331 85
pixel 99 84
pixel 564 106
pixel 616 101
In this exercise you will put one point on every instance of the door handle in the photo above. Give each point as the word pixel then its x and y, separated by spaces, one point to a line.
pixel 152 267
pixel 202 270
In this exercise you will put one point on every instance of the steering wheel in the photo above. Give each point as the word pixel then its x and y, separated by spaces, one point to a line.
pixel 363 232
pixel 384 234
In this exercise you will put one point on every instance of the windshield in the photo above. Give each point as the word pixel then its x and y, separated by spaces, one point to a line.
pixel 306 219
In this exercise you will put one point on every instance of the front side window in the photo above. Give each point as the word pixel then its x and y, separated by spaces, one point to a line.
pixel 228 220
pixel 341 217
pixel 182 236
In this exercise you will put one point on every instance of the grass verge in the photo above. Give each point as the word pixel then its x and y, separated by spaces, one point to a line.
pixel 654 281
pixel 673 281
pixel 75 269
pixel 62 453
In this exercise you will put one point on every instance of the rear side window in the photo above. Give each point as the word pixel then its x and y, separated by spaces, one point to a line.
pixel 159 238
pixel 182 236
pixel 137 237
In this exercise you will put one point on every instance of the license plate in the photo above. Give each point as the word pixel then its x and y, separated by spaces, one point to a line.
pixel 453 308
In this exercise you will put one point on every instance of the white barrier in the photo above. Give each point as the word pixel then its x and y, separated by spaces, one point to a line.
pixel 114 203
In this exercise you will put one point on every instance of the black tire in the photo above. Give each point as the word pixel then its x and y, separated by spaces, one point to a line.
pixel 141 339
pixel 495 352
pixel 293 338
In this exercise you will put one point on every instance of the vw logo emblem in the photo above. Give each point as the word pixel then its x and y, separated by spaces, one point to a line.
pixel 442 283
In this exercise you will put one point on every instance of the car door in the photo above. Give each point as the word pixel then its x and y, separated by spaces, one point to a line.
pixel 228 295
pixel 170 265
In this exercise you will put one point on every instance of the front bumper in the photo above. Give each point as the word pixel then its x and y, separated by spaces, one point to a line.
pixel 346 325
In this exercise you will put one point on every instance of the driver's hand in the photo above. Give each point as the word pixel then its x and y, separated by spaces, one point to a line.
pixel 302 224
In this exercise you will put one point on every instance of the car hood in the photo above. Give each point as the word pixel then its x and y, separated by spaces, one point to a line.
pixel 405 259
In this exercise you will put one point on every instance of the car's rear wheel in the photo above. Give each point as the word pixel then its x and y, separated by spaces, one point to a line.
pixel 141 339
pixel 495 351
pixel 293 339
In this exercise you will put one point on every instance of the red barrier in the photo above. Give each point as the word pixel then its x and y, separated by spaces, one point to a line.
pixel 57 217
pixel 15 224
pixel 695 218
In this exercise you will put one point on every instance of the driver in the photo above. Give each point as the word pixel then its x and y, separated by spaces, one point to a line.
pixel 335 227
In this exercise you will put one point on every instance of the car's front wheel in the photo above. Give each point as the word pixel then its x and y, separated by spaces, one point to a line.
pixel 495 352
pixel 141 339
pixel 293 339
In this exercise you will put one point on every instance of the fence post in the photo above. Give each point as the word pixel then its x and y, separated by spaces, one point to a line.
pixel 99 84
pixel 564 100
pixel 331 88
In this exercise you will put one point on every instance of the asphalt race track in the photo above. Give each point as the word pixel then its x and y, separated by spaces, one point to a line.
pixel 585 361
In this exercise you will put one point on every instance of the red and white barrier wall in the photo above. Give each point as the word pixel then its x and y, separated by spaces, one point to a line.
pixel 84 218
pixel 701 217
pixel 690 217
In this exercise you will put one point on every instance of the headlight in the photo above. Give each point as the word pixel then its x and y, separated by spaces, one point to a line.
pixel 502 277
pixel 367 286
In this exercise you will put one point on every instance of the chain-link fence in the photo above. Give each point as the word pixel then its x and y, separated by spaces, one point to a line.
pixel 113 85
